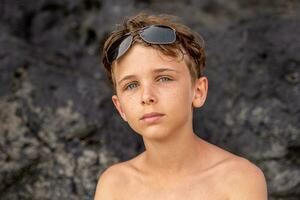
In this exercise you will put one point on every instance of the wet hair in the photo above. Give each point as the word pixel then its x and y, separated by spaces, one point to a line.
pixel 188 42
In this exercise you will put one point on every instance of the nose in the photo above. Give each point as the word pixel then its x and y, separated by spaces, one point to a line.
pixel 148 96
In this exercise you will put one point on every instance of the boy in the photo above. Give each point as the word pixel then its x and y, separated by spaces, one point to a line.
pixel 155 66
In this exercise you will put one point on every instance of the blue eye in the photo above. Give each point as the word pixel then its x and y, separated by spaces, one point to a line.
pixel 129 86
pixel 165 78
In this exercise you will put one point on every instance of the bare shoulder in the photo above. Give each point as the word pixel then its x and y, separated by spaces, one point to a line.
pixel 111 181
pixel 240 178
pixel 244 180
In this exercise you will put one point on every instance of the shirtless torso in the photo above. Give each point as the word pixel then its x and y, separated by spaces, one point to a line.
pixel 206 185
pixel 209 183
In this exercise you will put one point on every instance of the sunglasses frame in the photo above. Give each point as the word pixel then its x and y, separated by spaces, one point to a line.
pixel 140 33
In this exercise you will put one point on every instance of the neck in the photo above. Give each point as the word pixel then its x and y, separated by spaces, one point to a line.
pixel 175 155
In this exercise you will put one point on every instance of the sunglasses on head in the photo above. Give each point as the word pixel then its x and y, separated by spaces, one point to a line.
pixel 153 34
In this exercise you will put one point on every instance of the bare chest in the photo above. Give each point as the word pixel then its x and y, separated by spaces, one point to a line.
pixel 189 190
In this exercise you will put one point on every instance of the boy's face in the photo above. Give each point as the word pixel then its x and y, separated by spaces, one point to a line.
pixel 152 89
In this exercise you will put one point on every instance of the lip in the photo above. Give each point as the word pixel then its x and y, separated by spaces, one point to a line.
pixel 151 116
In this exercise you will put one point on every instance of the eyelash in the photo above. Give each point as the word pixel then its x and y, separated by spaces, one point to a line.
pixel 165 77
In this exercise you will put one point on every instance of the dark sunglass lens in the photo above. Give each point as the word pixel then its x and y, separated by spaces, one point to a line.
pixel 118 48
pixel 124 46
pixel 158 35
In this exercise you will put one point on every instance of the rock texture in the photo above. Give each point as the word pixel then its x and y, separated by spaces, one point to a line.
pixel 58 127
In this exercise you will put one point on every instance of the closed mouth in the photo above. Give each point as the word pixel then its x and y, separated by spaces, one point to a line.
pixel 151 115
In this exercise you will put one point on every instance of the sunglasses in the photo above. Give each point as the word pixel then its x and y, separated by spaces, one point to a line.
pixel 154 34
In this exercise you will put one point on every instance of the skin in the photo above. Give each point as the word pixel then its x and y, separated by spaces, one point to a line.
pixel 176 164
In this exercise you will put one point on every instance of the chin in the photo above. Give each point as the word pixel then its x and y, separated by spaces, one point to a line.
pixel 155 134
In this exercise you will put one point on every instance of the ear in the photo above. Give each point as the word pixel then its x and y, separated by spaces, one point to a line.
pixel 200 92
pixel 118 106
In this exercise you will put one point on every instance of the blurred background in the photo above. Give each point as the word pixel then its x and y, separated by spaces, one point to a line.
pixel 59 129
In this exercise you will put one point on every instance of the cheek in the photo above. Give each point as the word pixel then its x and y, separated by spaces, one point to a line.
pixel 129 104
pixel 180 94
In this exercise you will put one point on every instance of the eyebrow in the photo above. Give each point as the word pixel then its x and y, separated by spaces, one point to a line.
pixel 156 71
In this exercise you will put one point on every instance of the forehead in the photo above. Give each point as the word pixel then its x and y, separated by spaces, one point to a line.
pixel 141 59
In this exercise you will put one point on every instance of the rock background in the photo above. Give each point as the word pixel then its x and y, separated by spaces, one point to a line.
pixel 58 126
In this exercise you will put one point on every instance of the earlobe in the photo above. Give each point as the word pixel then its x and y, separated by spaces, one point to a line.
pixel 197 102
pixel 118 106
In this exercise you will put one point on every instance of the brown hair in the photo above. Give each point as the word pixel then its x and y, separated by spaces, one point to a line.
pixel 188 42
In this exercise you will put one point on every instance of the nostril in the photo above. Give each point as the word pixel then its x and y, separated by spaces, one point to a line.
pixel 148 100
